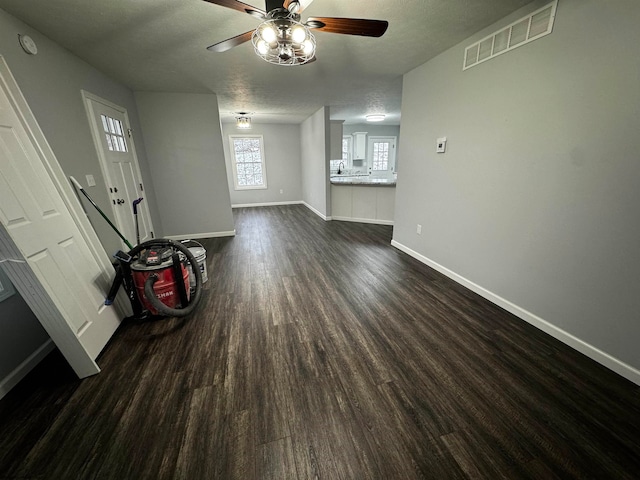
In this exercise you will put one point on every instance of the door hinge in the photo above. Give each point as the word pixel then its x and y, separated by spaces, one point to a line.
pixel 129 132
pixel 141 188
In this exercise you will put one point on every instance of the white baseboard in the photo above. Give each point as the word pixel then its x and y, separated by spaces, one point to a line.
pixel 363 220
pixel 21 371
pixel 195 236
pixel 587 349
pixel 317 212
pixel 268 204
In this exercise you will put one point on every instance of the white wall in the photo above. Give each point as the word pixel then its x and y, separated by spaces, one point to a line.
pixel 183 139
pixel 315 140
pixel 536 200
pixel 282 157
pixel 51 82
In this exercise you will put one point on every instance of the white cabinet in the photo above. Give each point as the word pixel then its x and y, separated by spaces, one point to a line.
pixel 364 204
pixel 360 145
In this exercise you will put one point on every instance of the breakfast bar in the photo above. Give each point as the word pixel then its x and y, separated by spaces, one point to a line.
pixel 363 198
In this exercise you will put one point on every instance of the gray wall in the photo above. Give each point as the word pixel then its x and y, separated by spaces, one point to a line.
pixel 282 157
pixel 536 199
pixel 315 140
pixel 51 81
pixel 20 333
pixel 183 139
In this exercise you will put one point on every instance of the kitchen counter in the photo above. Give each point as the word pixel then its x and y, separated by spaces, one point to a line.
pixel 363 180
pixel 360 198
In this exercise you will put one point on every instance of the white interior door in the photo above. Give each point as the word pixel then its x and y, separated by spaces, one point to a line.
pixel 382 155
pixel 112 136
pixel 61 280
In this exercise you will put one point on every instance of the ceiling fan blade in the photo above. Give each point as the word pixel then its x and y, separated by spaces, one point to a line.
pixel 240 6
pixel 229 43
pixel 349 26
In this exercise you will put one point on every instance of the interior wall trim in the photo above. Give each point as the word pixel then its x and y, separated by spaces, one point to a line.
pixel 317 212
pixel 603 358
pixel 267 204
pixel 362 220
pixel 21 371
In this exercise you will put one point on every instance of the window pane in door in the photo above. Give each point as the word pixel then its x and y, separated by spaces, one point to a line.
pixel 380 158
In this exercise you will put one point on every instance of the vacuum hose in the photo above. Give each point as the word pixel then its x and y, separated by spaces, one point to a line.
pixel 153 278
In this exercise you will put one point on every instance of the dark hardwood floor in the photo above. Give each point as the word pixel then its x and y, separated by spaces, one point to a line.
pixel 321 352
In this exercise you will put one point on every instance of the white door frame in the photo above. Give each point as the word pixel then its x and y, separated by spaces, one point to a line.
pixel 20 273
pixel 87 98
pixel 392 156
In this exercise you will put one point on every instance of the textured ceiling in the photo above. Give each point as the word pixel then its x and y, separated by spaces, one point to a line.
pixel 160 45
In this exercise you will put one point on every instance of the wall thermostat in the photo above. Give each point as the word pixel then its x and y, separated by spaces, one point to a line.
pixel 27 44
pixel 441 145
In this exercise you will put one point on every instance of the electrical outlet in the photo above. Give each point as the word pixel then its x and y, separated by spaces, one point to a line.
pixel 419 229
pixel 91 182
pixel 441 145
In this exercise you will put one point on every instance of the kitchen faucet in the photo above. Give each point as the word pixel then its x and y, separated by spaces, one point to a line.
pixel 340 168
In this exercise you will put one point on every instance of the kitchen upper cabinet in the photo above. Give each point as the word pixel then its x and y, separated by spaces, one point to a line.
pixel 360 145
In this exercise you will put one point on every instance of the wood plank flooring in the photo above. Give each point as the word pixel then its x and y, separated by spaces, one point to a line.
pixel 321 352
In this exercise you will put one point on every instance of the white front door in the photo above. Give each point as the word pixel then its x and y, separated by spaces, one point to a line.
pixel 60 279
pixel 111 134
pixel 382 155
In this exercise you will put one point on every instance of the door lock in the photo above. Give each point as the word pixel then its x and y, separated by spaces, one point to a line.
pixel 120 201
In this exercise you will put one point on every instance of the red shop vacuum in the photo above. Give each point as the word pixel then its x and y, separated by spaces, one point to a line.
pixel 155 274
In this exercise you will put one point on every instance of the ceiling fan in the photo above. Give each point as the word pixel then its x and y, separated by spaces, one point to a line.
pixel 282 39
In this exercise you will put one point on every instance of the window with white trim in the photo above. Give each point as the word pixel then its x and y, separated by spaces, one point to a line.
pixel 247 158
pixel 346 149
pixel 334 165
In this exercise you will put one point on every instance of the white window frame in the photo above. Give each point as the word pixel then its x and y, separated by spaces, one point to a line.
pixel 334 164
pixel 349 159
pixel 391 166
pixel 234 163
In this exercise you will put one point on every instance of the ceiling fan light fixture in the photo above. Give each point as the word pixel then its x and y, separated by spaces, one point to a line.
pixel 268 33
pixel 263 47
pixel 308 48
pixel 298 34
pixel 286 53
pixel 375 118
pixel 292 44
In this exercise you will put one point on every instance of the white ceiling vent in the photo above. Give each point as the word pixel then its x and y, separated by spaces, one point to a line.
pixel 533 26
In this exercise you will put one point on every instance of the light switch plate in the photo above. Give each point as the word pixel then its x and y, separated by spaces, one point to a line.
pixel 441 145
pixel 91 182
